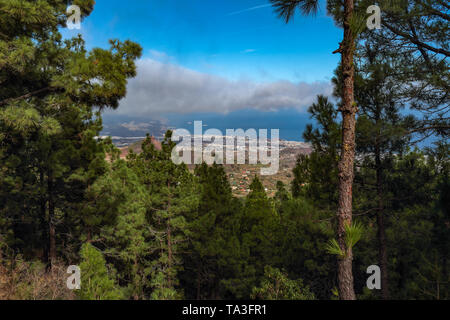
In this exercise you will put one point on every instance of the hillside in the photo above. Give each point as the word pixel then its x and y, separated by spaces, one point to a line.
pixel 241 175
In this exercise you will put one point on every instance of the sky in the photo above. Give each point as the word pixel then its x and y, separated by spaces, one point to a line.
pixel 218 57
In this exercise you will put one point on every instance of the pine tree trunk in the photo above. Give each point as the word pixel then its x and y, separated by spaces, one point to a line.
pixel 348 110
pixel 198 283
pixel 43 220
pixel 51 218
pixel 382 247
pixel 43 226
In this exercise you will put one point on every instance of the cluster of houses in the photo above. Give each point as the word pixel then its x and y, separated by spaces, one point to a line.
pixel 240 181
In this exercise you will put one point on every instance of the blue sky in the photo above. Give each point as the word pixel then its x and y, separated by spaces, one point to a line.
pixel 220 57
pixel 231 38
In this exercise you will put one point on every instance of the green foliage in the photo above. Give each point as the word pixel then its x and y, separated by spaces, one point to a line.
pixel 126 241
pixel 277 286
pixel 48 94
pixel 334 248
pixel 96 282
pixel 161 289
pixel 315 176
pixel 301 245
pixel 213 247
pixel 419 239
pixel 353 234
pixel 414 41
pixel 286 9
pixel 173 201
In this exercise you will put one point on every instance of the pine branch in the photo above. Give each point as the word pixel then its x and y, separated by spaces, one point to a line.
pixel 339 50
pixel 439 13
pixel 286 8
pixel 416 41
pixel 436 127
pixel 28 95
pixel 443 3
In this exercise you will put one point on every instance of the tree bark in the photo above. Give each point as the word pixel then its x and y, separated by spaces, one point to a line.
pixel 43 218
pixel 346 162
pixel 51 224
pixel 198 283
pixel 382 247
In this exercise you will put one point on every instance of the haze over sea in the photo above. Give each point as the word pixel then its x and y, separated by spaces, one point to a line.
pixel 290 122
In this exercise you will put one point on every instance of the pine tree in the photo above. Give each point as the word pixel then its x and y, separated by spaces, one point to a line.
pixel 173 198
pixel 414 36
pixel 345 16
pixel 381 132
pixel 211 258
pixel 126 241
pixel 258 227
pixel 315 175
pixel 96 283
pixel 417 240
pixel 49 89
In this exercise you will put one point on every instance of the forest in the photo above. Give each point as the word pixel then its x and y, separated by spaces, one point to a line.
pixel 374 191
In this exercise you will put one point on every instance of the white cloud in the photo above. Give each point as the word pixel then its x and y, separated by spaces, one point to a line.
pixel 249 9
pixel 159 55
pixel 161 88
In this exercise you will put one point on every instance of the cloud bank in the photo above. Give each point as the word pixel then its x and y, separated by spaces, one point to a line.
pixel 161 88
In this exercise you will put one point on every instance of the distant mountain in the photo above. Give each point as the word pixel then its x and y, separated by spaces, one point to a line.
pixel 126 130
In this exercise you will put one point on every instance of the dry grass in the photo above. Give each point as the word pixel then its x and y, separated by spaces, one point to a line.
pixel 21 280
